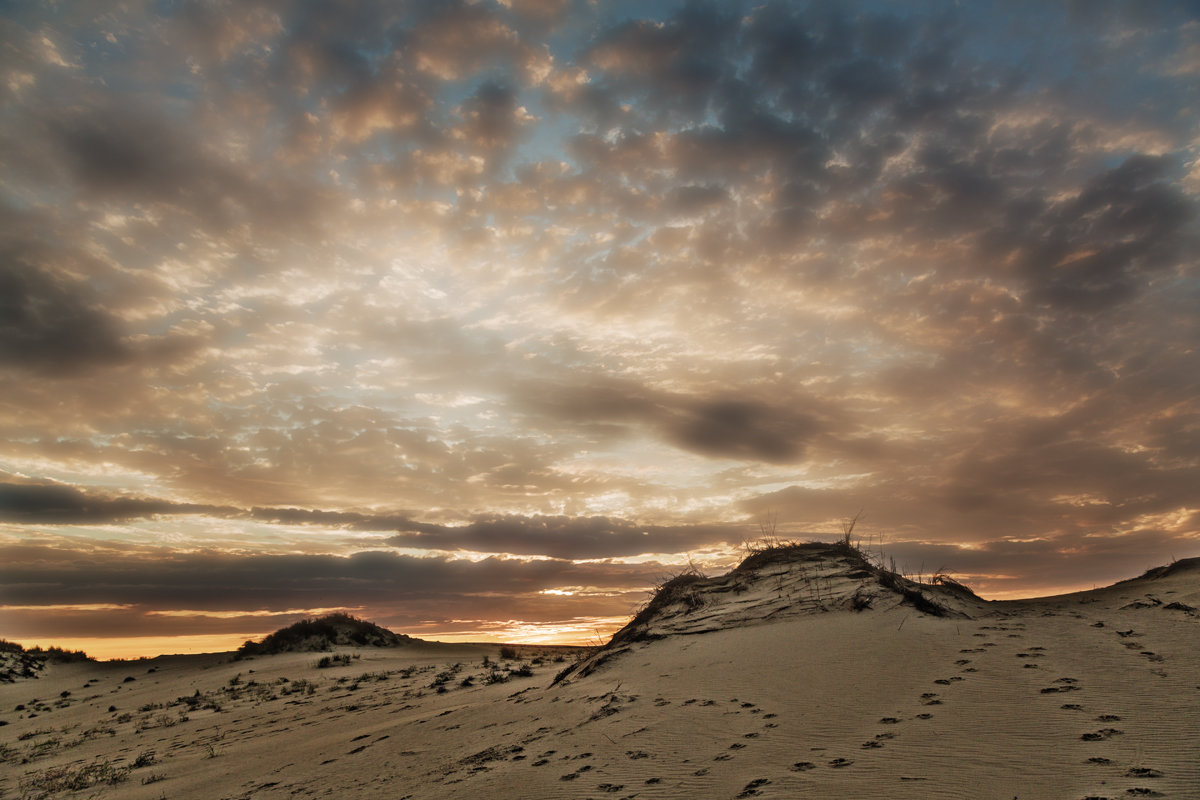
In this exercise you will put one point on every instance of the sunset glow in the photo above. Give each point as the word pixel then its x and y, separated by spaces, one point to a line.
pixel 477 319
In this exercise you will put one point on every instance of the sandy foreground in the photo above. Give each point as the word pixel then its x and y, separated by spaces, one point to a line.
pixel 770 685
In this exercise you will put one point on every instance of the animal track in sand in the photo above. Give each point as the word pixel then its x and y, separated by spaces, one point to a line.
pixel 838 763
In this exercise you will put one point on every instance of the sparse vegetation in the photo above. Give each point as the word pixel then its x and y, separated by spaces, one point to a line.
pixel 689 589
pixel 339 660
pixel 325 633
pixel 71 779
pixel 17 662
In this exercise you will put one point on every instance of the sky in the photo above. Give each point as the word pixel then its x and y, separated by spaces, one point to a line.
pixel 477 319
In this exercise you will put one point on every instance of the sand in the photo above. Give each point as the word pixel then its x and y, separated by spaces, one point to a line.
pixel 764 684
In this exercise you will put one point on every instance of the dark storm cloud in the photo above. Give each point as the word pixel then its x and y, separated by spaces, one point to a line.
pixel 490 116
pixel 46 323
pixel 42 504
pixel 33 576
pixel 736 427
pixel 740 429
pixel 564 537
pixel 558 537
pixel 1101 247
pixel 122 152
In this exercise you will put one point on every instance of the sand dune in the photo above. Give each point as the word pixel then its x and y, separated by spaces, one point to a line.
pixel 803 675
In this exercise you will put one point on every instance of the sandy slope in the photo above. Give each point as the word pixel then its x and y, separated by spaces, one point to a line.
pixel 1076 696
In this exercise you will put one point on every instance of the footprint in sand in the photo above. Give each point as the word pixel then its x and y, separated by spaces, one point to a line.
pixel 751 789
pixel 1101 735
pixel 802 766
pixel 838 763
pixel 878 741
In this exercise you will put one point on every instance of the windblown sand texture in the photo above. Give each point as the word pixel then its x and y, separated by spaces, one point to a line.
pixel 802 674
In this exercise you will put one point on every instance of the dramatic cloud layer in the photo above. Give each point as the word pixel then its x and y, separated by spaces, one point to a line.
pixel 492 311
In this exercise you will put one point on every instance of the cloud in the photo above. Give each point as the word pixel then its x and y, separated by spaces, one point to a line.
pixel 47 324
pixel 564 537
pixel 730 427
pixel 1103 246
pixel 579 278
pixel 740 429
pixel 49 504
pixel 402 591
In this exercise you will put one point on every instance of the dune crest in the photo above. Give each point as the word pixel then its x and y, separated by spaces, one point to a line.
pixel 808 671
pixel 782 582
pixel 325 633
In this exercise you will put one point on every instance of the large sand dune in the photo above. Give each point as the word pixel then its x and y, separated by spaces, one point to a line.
pixel 803 674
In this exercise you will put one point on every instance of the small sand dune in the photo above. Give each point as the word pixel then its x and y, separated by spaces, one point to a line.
pixel 805 674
